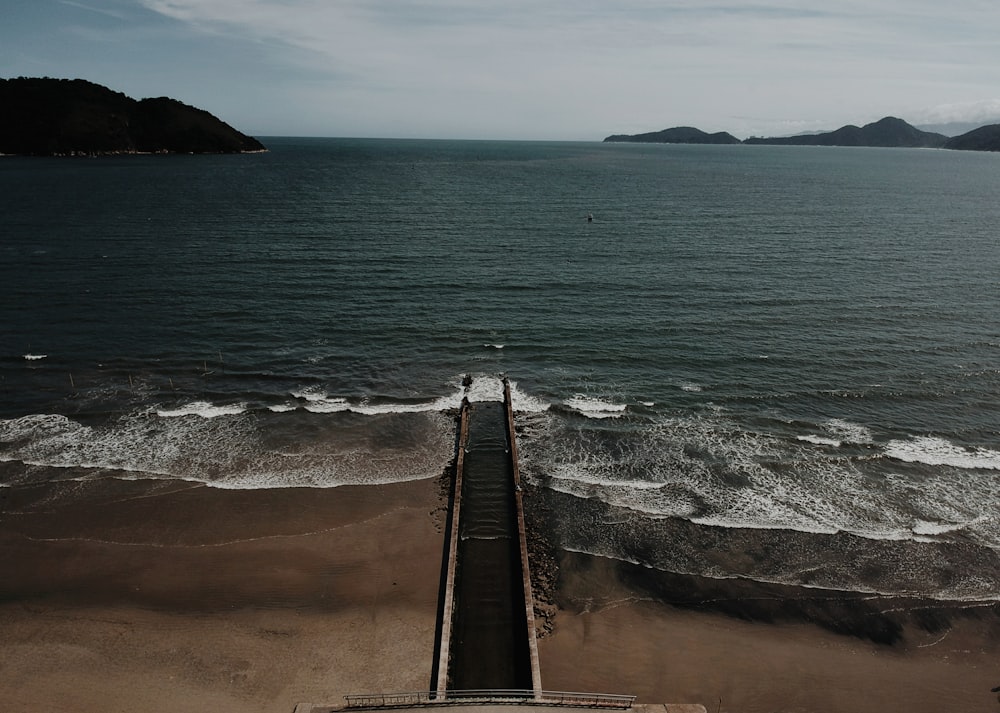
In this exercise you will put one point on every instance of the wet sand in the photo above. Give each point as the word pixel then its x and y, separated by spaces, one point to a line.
pixel 745 648
pixel 139 596
pixel 143 596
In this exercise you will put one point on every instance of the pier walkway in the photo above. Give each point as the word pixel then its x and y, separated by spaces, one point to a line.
pixel 488 628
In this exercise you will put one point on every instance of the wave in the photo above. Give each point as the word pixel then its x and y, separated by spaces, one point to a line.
pixel 938 451
pixel 838 432
pixel 35 357
pixel 983 595
pixel 525 403
pixel 577 476
pixel 820 440
pixel 238 451
pixel 657 501
pixel 595 408
pixel 222 444
pixel 203 409
pixel 847 432
pixel 712 471
pixel 318 401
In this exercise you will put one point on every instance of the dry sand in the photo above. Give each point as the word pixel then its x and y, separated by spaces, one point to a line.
pixel 127 596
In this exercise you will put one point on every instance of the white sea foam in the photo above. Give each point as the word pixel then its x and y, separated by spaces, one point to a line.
pixel 311 393
pixel 650 404
pixel 487 387
pixel 847 432
pixel 838 432
pixel 577 475
pixel 494 346
pixel 225 452
pixel 713 472
pixel 444 403
pixel 938 451
pixel 819 440
pixel 35 357
pixel 484 388
pixel 523 402
pixel 691 387
pixel 317 400
pixel 202 409
pixel 977 592
pixel 921 527
pixel 321 404
pixel 595 408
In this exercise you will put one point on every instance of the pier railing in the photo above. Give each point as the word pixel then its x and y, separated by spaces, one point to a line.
pixel 495 697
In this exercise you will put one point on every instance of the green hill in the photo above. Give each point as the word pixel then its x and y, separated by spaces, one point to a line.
pixel 57 117
pixel 887 132
pixel 985 138
pixel 676 135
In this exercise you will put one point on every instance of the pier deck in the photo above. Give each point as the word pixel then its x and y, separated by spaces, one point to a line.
pixel 488 634
pixel 489 638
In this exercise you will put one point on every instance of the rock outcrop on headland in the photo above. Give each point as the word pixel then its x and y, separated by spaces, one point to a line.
pixel 61 117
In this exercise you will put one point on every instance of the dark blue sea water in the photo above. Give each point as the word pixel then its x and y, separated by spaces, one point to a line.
pixel 778 363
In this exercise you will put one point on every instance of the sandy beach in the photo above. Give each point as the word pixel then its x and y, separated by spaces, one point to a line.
pixel 746 648
pixel 141 596
pixel 151 596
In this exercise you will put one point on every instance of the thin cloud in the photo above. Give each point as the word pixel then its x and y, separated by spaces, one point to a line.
pixel 99 10
pixel 985 110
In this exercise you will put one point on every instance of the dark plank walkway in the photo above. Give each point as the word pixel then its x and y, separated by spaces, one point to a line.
pixel 489 645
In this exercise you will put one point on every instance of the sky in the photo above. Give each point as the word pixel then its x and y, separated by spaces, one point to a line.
pixel 514 69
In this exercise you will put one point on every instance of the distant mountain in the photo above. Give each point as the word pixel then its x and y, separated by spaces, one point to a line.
pixel 956 128
pixel 52 117
pixel 676 135
pixel 985 138
pixel 887 132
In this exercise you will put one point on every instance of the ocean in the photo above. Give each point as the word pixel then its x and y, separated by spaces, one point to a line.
pixel 780 364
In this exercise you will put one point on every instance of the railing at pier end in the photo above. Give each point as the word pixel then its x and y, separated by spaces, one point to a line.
pixel 493 697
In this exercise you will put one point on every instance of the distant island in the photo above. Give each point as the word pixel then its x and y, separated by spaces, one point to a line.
pixel 677 135
pixel 74 117
pixel 887 132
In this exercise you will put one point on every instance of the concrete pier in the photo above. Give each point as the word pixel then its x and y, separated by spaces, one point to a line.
pixel 489 638
pixel 488 633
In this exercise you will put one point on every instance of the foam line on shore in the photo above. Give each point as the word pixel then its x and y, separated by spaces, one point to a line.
pixel 864 593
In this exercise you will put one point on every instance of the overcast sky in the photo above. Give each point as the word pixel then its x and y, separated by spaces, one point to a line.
pixel 513 69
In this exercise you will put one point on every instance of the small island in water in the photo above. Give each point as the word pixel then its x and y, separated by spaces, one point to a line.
pixel 676 135
pixel 74 117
